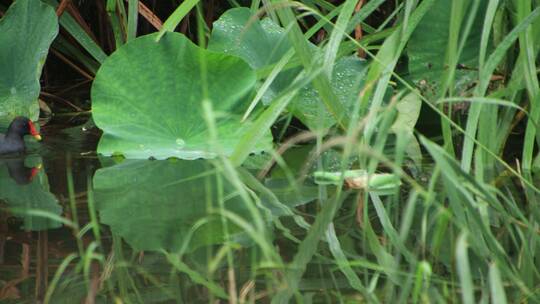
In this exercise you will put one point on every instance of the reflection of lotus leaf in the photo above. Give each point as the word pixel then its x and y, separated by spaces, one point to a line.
pixel 26 32
pixel 151 105
pixel 153 204
pixel 32 194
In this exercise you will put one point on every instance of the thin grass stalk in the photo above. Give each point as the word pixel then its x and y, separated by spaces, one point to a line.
pixel 57 276
pixel 195 276
pixel 258 231
pixel 331 49
pixel 498 296
pixel 176 17
pixel 342 262
pixel 452 57
pixel 65 50
pixel 232 291
pixel 484 78
pixel 44 214
pixel 122 277
pixel 73 203
pixel 116 22
pixel 254 7
pixel 464 270
pixel 266 120
pixel 94 220
pixel 133 15
pixel 307 249
pixel 385 62
pixel 423 274
pixel 321 82
pixel 389 230
pixel 491 63
pixel 284 61
pixel 527 48
pixel 87 259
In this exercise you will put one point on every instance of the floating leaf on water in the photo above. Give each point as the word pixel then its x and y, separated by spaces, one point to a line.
pixel 151 106
pixel 26 32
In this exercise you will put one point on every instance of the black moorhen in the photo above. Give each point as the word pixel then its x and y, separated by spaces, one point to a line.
pixel 13 141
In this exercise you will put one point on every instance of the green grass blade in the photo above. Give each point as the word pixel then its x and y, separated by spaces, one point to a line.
pixel 57 276
pixel 498 296
pixel 486 29
pixel 133 14
pixel 464 270
pixel 342 262
pixel 44 214
pixel 484 79
pixel 337 35
pixel 266 120
pixel 321 82
pixel 75 30
pixel 384 63
pixel 367 9
pixel 176 17
pixel 195 276
pixel 116 22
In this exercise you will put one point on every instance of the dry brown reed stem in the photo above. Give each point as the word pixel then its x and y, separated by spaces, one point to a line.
pixel 210 11
pixel 93 289
pixel 150 16
pixel 184 25
pixel 105 37
pixel 358 30
pixel 72 87
pixel 71 64
pixel 62 7
pixel 245 290
pixel 42 265
pixel 56 97
pixel 360 208
pixel 108 268
pixel 72 9
pixel 9 290
pixel 233 295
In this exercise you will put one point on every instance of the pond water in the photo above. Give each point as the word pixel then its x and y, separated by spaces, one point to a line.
pixel 80 228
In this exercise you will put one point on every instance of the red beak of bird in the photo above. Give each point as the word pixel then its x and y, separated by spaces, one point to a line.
pixel 33 131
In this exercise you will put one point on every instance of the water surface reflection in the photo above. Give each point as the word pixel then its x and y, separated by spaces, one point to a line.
pixel 139 230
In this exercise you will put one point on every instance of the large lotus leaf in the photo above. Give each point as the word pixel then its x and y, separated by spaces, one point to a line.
pixel 154 204
pixel 347 82
pixel 26 32
pixel 147 98
pixel 427 50
pixel 260 43
pixel 22 191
